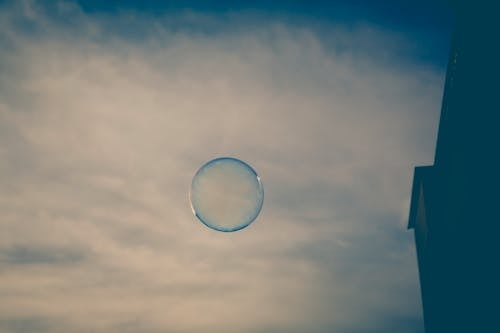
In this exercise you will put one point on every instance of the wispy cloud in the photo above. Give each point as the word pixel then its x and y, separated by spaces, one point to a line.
pixel 103 122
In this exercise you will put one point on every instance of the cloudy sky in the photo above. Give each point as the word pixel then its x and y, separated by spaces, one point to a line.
pixel 106 113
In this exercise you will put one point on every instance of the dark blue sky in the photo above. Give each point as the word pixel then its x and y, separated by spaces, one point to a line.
pixel 426 13
pixel 428 22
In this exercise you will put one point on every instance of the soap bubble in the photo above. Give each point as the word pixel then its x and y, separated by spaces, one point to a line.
pixel 226 194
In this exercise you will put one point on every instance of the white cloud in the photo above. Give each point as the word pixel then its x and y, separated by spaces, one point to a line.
pixel 101 133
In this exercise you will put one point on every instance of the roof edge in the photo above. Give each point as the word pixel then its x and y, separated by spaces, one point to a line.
pixel 420 175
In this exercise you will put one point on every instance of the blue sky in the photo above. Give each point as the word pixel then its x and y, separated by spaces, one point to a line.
pixel 428 22
pixel 107 111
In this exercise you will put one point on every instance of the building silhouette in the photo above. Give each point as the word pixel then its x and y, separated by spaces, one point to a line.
pixel 455 203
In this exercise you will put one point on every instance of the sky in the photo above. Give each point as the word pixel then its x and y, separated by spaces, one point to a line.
pixel 107 110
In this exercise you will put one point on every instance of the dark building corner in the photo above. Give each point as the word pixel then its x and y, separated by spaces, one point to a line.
pixel 455 203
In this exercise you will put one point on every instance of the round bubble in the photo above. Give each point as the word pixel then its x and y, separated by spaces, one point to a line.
pixel 226 194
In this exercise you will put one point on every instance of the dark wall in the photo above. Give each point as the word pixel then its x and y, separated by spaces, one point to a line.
pixel 461 293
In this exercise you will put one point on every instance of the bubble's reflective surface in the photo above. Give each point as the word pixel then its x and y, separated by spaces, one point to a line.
pixel 226 194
